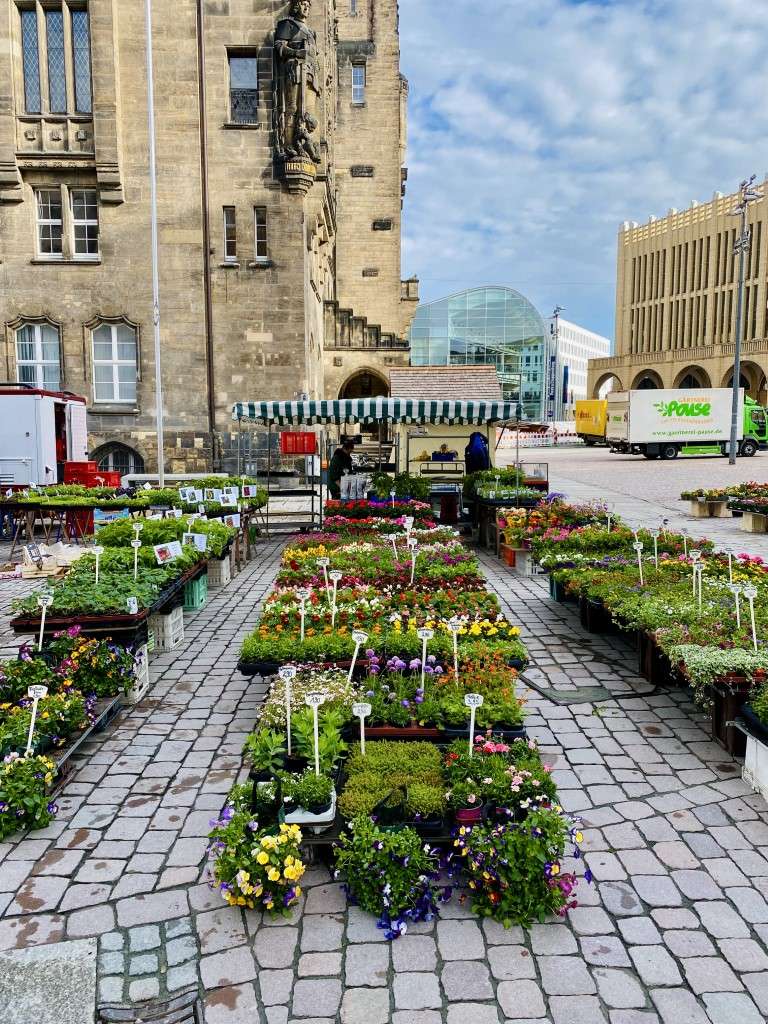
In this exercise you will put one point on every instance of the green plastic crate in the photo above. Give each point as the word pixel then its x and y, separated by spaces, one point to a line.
pixel 196 593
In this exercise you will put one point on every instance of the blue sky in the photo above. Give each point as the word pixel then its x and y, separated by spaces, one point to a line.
pixel 538 126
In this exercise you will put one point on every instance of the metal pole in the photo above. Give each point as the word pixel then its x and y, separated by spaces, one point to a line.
pixel 741 248
pixel 155 274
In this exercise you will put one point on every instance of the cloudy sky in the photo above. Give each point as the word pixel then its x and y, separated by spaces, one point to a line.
pixel 538 126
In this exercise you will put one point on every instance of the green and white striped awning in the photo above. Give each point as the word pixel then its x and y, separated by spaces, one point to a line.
pixel 374 410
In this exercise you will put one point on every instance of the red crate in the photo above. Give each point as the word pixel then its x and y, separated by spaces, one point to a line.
pixel 295 442
pixel 105 478
pixel 79 472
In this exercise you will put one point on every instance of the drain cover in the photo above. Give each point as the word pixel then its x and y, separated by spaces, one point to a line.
pixel 184 1008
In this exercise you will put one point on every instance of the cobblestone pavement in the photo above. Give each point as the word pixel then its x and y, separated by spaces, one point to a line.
pixel 673 931
pixel 644 492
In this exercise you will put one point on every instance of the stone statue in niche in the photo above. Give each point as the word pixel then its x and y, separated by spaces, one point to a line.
pixel 297 85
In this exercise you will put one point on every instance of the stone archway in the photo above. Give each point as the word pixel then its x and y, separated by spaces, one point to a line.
pixel 605 384
pixel 752 379
pixel 364 383
pixel 692 377
pixel 647 380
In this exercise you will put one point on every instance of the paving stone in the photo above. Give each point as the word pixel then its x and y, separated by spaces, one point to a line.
pixel 181 977
pixel 365 1004
pixel 676 918
pixel 466 981
pixel 82 924
pixel 417 1017
pixel 147 937
pixel 472 1013
pixel 460 940
pixel 146 909
pixel 275 947
pixel 655 966
pixel 589 921
pixel 633 1017
pixel 657 890
pixel 181 949
pixel 721 920
pixel 321 933
pixel 111 989
pixel 618 988
pixel 564 976
pixel 620 899
pixel 744 954
pixel 275 986
pixel 511 963
pixel 231 1004
pixel 732 1008
pixel 416 991
pixel 606 867
pixel 145 964
pixel 639 931
pixel 757 984
pixel 750 904
pixel 567 1010
pixel 676 855
pixel 697 885
pixel 220 929
pixel 497 934
pixel 604 951
pixel 678 1006
pixel 321 965
pixel 37 894
pixel 687 942
pixel 521 999
pixel 326 899
pixel 710 974
pixel 368 963
pixel 232 967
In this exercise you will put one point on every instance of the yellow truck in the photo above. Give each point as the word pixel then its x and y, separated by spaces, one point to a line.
pixel 591 419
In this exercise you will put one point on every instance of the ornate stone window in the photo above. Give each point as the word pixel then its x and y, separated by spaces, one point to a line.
pixel 358 83
pixel 118 458
pixel 55 36
pixel 38 354
pixel 115 363
pixel 243 88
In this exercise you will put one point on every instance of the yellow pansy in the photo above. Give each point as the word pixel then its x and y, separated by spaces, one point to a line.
pixel 263 858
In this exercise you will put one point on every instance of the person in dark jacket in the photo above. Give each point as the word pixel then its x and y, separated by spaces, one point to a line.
pixel 476 453
pixel 341 463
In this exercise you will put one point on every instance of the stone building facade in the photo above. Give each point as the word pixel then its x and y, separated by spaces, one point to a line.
pixel 676 299
pixel 281 132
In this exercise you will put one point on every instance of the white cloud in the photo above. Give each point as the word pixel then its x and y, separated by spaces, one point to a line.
pixel 536 128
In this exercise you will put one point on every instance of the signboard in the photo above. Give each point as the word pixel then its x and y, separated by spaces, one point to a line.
pixel 551 387
pixel 689 416
pixel 102 518
pixel 167 552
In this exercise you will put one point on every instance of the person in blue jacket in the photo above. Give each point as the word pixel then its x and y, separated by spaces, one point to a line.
pixel 476 453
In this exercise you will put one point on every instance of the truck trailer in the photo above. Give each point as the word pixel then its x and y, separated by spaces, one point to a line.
pixel 591 415
pixel 693 421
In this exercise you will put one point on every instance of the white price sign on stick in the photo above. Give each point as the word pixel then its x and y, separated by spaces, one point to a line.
pixel 361 711
pixel 98 550
pixel 36 694
pixel 287 673
pixel 359 638
pixel 425 635
pixel 315 701
pixel 44 603
pixel 473 701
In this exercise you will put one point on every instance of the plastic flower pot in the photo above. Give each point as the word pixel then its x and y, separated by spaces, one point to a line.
pixel 470 815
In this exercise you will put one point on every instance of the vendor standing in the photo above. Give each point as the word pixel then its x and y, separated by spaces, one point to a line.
pixel 341 463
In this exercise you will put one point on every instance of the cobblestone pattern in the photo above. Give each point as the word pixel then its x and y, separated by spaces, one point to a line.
pixel 673 932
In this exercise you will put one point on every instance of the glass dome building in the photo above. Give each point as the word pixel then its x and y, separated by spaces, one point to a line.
pixel 490 325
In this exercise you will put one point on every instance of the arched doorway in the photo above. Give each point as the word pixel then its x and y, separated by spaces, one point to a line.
pixel 366 383
pixel 693 377
pixel 751 378
pixel 647 380
pixel 118 458
pixel 606 384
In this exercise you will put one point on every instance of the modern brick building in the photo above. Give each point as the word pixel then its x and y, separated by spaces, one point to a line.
pixel 676 296
pixel 280 183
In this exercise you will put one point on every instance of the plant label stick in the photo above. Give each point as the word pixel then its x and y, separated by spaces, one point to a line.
pixel 655 535
pixel 638 546
pixel 361 711
pixel 324 563
pixel 44 602
pixel 730 565
pixel 392 496
pixel 136 544
pixel 750 593
pixel 35 693
pixel 685 542
pixel 408 524
pixel 335 576
pixel 609 522
pixel 454 625
pixel 412 544
pixel 303 596
pixel 695 556
pixel 735 589
pixel 425 635
pixel 393 539
pixel 314 700
pixel 287 673
pixel 98 550
pixel 473 701
pixel 359 637
pixel 133 606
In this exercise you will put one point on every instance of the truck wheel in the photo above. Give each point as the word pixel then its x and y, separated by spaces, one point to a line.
pixel 589 442
pixel 668 451
pixel 748 447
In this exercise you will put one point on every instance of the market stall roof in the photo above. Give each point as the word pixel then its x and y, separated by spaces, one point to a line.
pixel 374 410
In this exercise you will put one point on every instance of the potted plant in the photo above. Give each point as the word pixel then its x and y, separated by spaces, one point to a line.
pixel 467 802
pixel 308 792
pixel 425 807
pixel 265 751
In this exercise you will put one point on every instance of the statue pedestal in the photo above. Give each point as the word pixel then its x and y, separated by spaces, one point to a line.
pixel 297 173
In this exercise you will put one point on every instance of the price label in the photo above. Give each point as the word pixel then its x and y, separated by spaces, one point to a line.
pixel 335 576
pixel 314 700
pixel 201 509
pixel 424 633
pixel 133 606
pixel 359 636
pixel 45 600
pixel 97 549
pixel 473 700
pixel 303 594
pixel 638 546
pixel 323 562
pixel 695 555
pixel 136 543
pixel 37 692
pixel 361 710
pixel 749 592
pixel 147 487
pixel 454 625
pixel 408 523
pixel 287 673
pixel 412 543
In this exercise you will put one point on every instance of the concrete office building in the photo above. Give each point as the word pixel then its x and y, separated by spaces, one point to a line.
pixel 576 346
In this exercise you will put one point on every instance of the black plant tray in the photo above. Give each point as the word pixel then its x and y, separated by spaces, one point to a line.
pixel 106 711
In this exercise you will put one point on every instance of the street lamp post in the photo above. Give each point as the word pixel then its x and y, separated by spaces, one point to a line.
pixel 747 194
pixel 155 271
pixel 556 371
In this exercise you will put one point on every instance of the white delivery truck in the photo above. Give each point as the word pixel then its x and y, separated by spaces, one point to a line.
pixel 696 421
pixel 39 431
